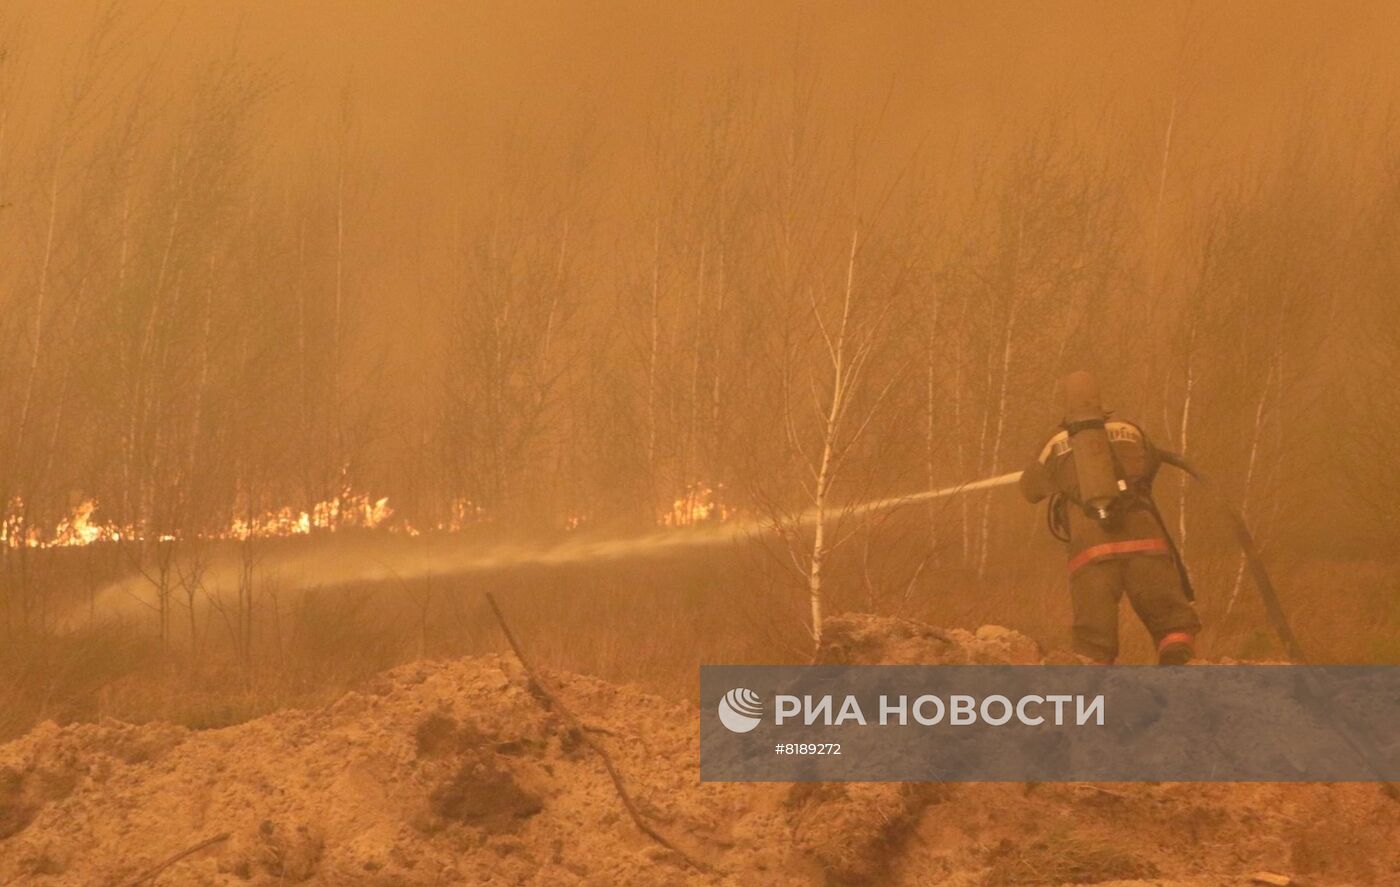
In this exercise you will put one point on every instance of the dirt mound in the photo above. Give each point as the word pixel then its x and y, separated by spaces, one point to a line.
pixel 439 773
pixel 863 639
pixel 453 773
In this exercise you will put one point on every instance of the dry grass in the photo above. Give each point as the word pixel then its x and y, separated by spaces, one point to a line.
pixel 650 624
pixel 1063 856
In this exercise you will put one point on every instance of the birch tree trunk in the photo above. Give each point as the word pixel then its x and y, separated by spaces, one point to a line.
pixel 830 432
pixel 992 464
pixel 1183 435
pixel 653 356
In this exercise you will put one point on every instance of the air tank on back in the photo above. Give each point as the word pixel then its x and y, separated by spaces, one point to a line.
pixel 1084 420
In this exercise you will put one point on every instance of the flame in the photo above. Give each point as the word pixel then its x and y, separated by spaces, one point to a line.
pixel 350 510
pixel 464 512
pixel 700 504
pixel 78 528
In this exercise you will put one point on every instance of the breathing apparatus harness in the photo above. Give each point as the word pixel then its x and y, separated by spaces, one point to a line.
pixel 1109 511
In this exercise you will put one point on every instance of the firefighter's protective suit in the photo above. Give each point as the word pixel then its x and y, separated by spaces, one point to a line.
pixel 1117 549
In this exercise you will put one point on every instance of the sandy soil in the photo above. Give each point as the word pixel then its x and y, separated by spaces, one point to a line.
pixel 452 773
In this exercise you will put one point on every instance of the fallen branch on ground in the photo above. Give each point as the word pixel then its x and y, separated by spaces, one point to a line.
pixel 552 703
pixel 152 872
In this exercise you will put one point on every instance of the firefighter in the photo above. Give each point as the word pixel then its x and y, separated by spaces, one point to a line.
pixel 1097 472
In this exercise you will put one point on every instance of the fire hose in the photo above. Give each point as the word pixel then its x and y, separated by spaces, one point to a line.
pixel 1265 586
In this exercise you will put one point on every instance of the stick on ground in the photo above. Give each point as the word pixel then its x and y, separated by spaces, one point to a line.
pixel 552 703
pixel 152 872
